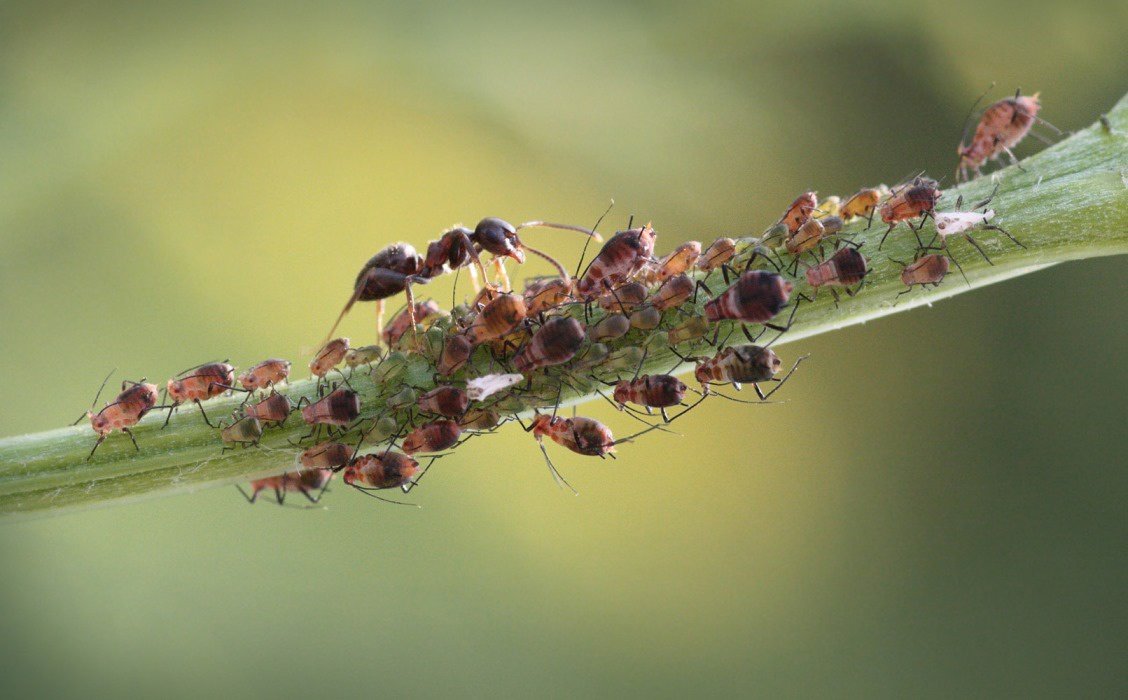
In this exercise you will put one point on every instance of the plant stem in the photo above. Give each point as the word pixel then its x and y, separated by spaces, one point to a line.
pixel 1067 203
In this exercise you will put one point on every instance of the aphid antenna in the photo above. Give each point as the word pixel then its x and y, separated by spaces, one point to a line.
pixel 780 382
pixel 415 482
pixel 757 402
pixel 632 438
pixel 96 397
pixel 561 482
pixel 202 364
pixel 369 492
pixel 971 112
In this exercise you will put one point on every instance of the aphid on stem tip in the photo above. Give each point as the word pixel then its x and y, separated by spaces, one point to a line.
pixel 846 268
pixel 957 223
pixel 446 401
pixel 125 411
pixel 651 391
pixel 917 198
pixel 273 409
pixel 620 258
pixel 432 437
pixel 406 320
pixel 265 374
pixel 304 481
pixel 556 342
pixel 328 357
pixel 799 211
pixel 625 298
pixel 1001 127
pixel 498 318
pixel 204 382
pixel 743 364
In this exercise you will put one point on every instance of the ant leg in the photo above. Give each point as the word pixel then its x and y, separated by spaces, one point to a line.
pixel 977 247
pixel 502 275
pixel 380 318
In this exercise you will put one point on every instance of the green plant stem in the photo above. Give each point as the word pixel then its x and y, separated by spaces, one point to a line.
pixel 1067 203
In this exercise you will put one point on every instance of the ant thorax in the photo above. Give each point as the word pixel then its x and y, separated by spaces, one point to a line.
pixel 954 222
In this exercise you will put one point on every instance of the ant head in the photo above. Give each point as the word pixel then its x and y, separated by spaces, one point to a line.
pixel 499 237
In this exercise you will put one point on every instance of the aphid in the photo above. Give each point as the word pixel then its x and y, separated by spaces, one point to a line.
pixel 125 411
pixel 799 211
pixel 382 429
pixel 273 409
pixel 456 352
pixel 245 431
pixel 432 437
pixel 754 298
pixel 481 388
pixel 498 318
pixel 609 327
pixel 481 419
pixel 402 398
pixel 304 481
pixel 1000 128
pixel 327 455
pixel 828 207
pixel 652 391
pixel 806 238
pixel 845 268
pixel 329 356
pixel 692 329
pixel 265 374
pixel 625 298
pixel 624 358
pixel 387 470
pixel 341 408
pixel 646 318
pixel 674 291
pixel 407 319
pixel 203 383
pixel 680 260
pixel 743 364
pixel 917 198
pixel 928 269
pixel 719 253
pixel 546 294
pixel 364 355
pixel 621 256
pixel 556 342
pixel 832 225
pixel 862 204
pixel 584 436
pixel 447 401
pixel 956 223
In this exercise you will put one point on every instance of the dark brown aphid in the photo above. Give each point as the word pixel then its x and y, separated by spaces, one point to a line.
pixel 555 343
pixel 652 391
pixel 622 256
pixel 387 470
pixel 204 382
pixel 862 204
pixel 799 211
pixel 125 411
pixel 329 356
pixel 341 408
pixel 480 419
pixel 675 291
pixel 1000 128
pixel 625 298
pixel 432 437
pixel 681 259
pixel 720 252
pixel 304 481
pixel 327 455
pixel 498 318
pixel 917 198
pixel 265 374
pixel 273 409
pixel 928 269
pixel 404 320
pixel 755 298
pixel 846 268
pixel 743 364
pixel 456 352
pixel 447 401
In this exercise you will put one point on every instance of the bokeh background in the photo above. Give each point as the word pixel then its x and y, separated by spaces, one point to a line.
pixel 938 509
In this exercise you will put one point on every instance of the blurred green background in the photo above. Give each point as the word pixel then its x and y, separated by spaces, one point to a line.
pixel 938 509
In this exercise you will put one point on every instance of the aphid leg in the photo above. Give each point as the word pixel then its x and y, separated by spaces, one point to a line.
pixel 977 247
pixel 886 234
pixel 99 441
pixel 204 413
pixel 129 432
pixel 699 284
pixel 780 382
pixel 251 498
pixel 993 227
pixel 171 408
pixel 1013 159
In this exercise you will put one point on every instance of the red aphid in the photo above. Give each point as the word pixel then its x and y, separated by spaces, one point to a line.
pixel 1000 128
pixel 265 374
pixel 432 437
pixel 755 298
pixel 125 411
pixel 845 268
pixel 621 256
pixel 340 408
pixel 387 470
pixel 203 383
pixel 273 409
pixel 799 211
pixel 447 401
pixel 329 356
pixel 556 342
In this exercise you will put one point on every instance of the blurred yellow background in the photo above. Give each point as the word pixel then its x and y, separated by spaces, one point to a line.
pixel 937 510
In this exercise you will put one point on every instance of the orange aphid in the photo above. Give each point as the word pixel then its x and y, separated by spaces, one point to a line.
pixel 799 211
pixel 1000 128
pixel 498 318
pixel 265 374
pixel 329 356
pixel 402 323
pixel 203 383
pixel 584 436
pixel 125 411
pixel 304 481
pixel 719 253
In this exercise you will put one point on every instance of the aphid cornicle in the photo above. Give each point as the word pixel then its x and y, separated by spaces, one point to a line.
pixel 387 470
pixel 917 198
pixel 862 203
pixel 204 382
pixel 621 256
pixel 719 253
pixel 341 407
pixel 652 391
pixel 754 298
pixel 446 401
pixel 926 270
pixel 846 268
pixel 1000 128
pixel 304 481
pixel 556 342
pixel 125 411
pixel 743 364
pixel 403 322
pixel 624 298
pixel 329 356
pixel 680 259
pixel 799 211
pixel 498 318
pixel 674 291
pixel 327 455
pixel 432 437
pixel 273 409
pixel 265 374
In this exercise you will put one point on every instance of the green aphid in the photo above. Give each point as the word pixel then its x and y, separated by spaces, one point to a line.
pixel 692 329
pixel 365 355
pixel 245 431
pixel 403 398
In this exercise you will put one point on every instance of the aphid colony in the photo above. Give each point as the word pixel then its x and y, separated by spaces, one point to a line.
pixel 506 351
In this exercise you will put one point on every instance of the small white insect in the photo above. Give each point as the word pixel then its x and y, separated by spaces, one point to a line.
pixel 962 223
pixel 481 388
